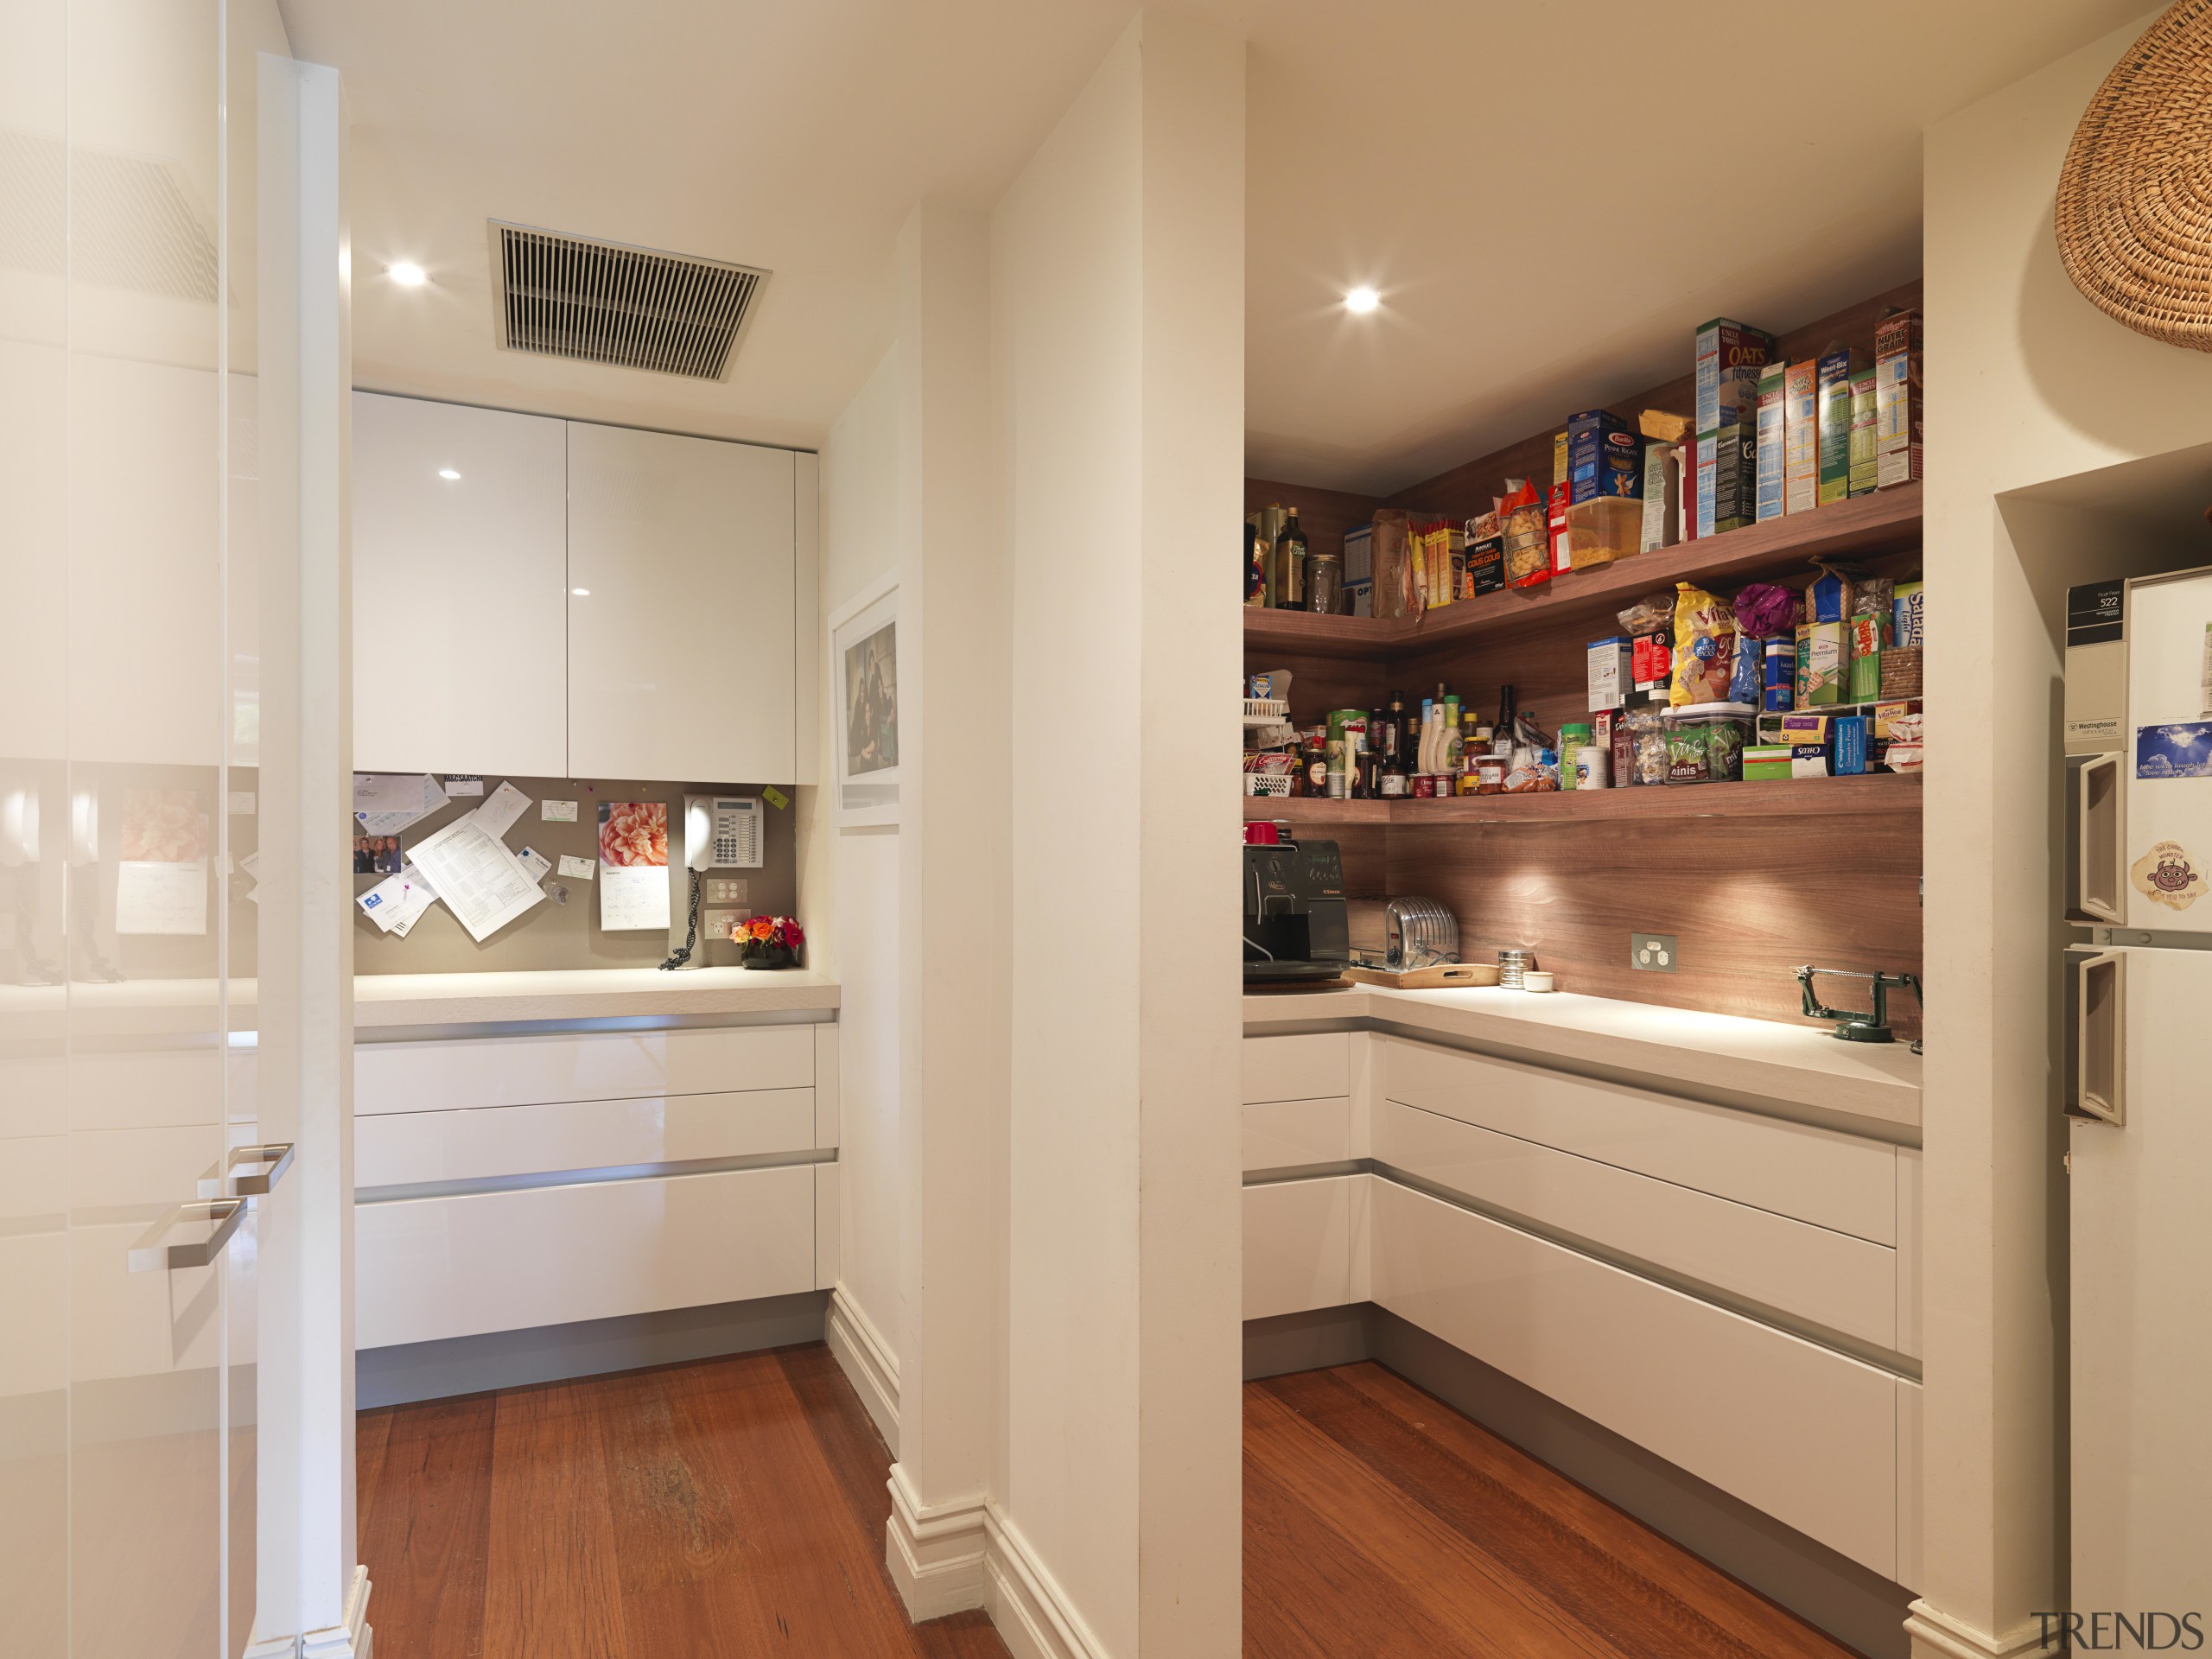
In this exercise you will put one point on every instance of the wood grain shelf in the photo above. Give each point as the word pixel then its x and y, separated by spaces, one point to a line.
pixel 1884 793
pixel 1886 521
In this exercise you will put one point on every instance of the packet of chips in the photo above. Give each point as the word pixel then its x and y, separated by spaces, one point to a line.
pixel 1704 648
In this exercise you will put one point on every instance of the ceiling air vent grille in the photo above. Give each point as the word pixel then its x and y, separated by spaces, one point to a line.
pixel 596 301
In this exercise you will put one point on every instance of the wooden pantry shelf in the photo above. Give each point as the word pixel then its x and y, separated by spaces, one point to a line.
pixel 1886 521
pixel 1875 794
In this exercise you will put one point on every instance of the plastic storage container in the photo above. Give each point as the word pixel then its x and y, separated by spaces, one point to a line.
pixel 1705 740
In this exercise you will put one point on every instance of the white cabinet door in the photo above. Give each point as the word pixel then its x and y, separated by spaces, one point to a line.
pixel 460 606
pixel 683 653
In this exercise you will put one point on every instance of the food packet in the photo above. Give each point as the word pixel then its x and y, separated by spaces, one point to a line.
pixel 1704 648
pixel 1748 683
pixel 1648 615
pixel 1765 611
pixel 1874 597
pixel 1527 534
pixel 1647 734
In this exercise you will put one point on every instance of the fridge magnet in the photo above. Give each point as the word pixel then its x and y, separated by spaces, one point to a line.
pixel 2181 750
pixel 162 881
pixel 864 668
pixel 632 864
pixel 2168 875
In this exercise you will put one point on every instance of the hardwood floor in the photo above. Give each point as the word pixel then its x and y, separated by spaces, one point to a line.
pixel 729 1508
pixel 1380 1523
pixel 736 1507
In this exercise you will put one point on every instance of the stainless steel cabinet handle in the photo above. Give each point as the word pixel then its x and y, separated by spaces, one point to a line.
pixel 215 1220
pixel 269 1164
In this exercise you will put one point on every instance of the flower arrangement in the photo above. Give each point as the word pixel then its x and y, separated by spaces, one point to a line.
pixel 770 941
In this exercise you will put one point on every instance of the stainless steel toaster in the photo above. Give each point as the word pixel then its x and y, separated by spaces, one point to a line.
pixel 1418 933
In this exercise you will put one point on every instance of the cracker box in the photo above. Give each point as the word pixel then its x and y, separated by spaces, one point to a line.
pixel 1612 673
pixel 1863 473
pixel 1603 457
pixel 1772 440
pixel 1558 458
pixel 1901 673
pixel 1833 377
pixel 1865 637
pixel 1766 762
pixel 1909 616
pixel 1896 399
pixel 1811 760
pixel 1849 746
pixel 1727 478
pixel 1800 443
pixel 1730 357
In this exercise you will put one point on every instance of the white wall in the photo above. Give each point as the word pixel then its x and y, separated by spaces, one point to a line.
pixel 861 537
pixel 2027 383
pixel 1118 285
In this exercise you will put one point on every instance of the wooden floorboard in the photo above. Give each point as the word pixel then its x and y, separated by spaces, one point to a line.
pixel 736 1507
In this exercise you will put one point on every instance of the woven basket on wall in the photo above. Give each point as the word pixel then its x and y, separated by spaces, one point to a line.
pixel 2135 196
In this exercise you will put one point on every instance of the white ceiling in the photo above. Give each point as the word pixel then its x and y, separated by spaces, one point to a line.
pixel 1549 198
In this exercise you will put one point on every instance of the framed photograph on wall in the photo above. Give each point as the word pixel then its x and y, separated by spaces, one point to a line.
pixel 864 678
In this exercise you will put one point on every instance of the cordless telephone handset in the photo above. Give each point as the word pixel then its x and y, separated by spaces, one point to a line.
pixel 720 832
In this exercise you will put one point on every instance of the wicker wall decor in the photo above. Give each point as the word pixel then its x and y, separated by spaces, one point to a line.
pixel 2135 213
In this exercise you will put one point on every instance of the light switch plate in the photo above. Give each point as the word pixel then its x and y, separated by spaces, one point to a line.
pixel 1654 953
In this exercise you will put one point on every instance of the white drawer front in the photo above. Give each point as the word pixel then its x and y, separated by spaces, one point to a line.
pixel 1310 1067
pixel 1297 1246
pixel 1791 1428
pixel 1286 1134
pixel 1832 1180
pixel 1909 1432
pixel 427 1268
pixel 401 1148
pixel 1829 1278
pixel 1909 1234
pixel 445 1075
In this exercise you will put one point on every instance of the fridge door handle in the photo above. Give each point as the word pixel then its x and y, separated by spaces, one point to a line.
pixel 2099 997
pixel 2099 796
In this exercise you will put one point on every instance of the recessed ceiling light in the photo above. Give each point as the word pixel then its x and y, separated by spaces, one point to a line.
pixel 580 593
pixel 1361 301
pixel 407 274
pixel 448 473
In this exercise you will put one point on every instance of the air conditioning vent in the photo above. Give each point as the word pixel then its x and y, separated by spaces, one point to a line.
pixel 595 301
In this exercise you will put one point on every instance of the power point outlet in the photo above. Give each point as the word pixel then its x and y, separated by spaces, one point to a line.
pixel 727 890
pixel 723 923
pixel 1654 953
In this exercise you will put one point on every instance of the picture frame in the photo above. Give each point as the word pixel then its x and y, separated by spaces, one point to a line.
pixel 865 687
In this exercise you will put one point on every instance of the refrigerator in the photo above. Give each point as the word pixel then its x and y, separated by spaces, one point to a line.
pixel 2138 1092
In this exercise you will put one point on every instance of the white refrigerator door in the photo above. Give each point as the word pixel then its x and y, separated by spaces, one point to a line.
pixel 2142 1305
pixel 2167 753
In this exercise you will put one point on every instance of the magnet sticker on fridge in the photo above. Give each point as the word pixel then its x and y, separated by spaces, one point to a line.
pixel 2168 875
pixel 2182 749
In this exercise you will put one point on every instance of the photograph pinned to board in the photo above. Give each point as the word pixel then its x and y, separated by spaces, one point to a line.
pixel 161 886
pixel 864 663
pixel 479 879
pixel 385 802
pixel 632 864
pixel 377 856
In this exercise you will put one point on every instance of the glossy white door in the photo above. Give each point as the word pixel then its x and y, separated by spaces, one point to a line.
pixel 127 319
pixel 2142 1345
pixel 2168 822
pixel 460 589
pixel 682 654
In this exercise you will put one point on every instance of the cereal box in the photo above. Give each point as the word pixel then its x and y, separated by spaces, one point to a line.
pixel 1727 478
pixel 1863 470
pixel 1896 399
pixel 1771 442
pixel 1730 357
pixel 1837 368
pixel 1800 405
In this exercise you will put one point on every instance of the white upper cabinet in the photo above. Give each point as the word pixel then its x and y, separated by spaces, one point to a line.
pixel 460 589
pixel 683 608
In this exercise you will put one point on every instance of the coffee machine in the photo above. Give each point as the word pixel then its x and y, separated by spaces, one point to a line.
pixel 1294 924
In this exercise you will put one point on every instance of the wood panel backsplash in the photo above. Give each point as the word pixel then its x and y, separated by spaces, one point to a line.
pixel 1749 899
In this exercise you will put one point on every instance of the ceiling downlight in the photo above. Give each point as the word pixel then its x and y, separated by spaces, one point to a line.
pixel 598 301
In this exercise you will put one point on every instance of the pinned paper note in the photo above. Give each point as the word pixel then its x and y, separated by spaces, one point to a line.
pixel 536 862
pixel 398 902
pixel 557 811
pixel 480 879
pixel 242 802
pixel 774 796
pixel 386 803
pixel 497 816
pixel 458 784
pixel 576 869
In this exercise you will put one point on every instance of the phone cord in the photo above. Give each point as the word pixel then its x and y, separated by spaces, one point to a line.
pixel 678 958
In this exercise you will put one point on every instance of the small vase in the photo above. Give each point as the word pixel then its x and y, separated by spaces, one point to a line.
pixel 767 956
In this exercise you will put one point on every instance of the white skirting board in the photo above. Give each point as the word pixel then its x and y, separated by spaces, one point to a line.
pixel 950 1557
pixel 869 1363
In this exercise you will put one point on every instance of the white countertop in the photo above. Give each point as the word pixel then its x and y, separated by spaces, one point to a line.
pixel 189 1007
pixel 584 994
pixel 1799 1066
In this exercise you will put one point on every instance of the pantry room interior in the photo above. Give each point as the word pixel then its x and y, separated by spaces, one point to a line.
pixel 650 659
